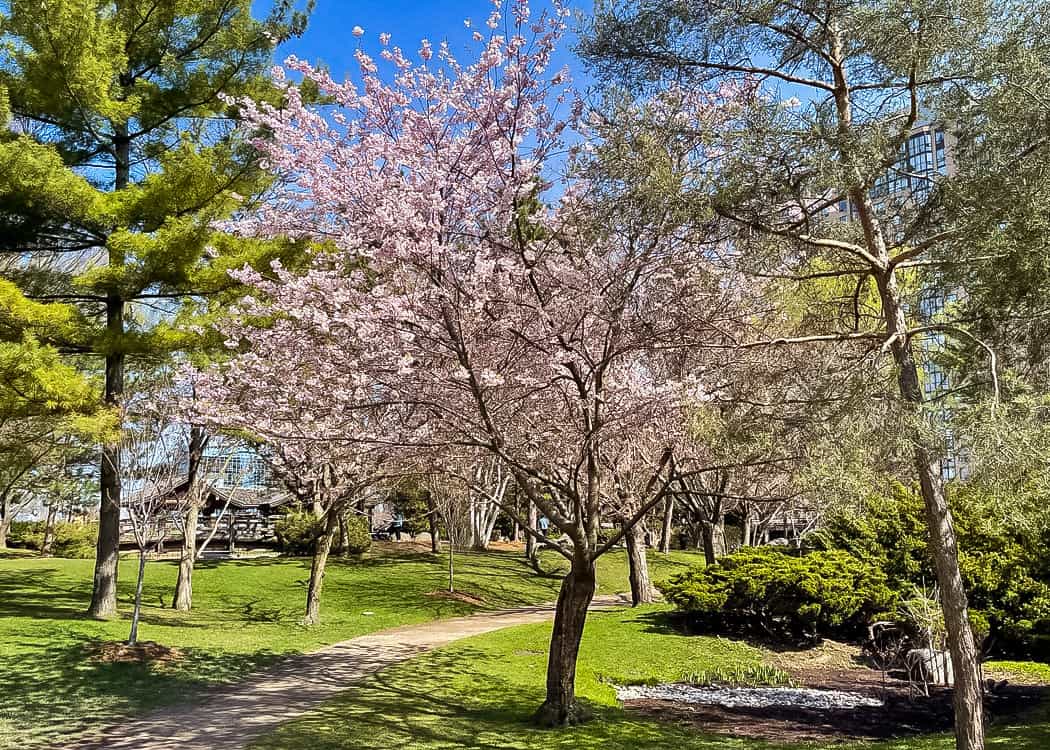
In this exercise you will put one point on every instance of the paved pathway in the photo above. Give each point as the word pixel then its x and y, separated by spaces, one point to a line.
pixel 231 717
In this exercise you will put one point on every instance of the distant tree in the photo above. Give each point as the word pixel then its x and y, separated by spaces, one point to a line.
pixel 315 451
pixel 449 498
pixel 483 510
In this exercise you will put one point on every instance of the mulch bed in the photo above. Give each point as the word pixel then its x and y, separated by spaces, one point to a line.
pixel 901 715
pixel 142 652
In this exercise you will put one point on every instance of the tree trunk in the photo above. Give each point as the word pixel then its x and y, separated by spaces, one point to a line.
pixel 317 569
pixel 183 599
pixel 531 543
pixel 747 530
pixel 642 591
pixel 137 611
pixel 667 526
pixel 432 523
pixel 967 695
pixel 451 568
pixel 48 543
pixel 344 548
pixel 577 590
pixel 184 585
pixel 5 522
pixel 486 521
pixel 713 537
pixel 472 523
pixel 107 549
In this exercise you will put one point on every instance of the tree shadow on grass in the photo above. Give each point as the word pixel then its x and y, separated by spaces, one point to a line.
pixel 42 593
pixel 665 622
pixel 63 690
pixel 442 701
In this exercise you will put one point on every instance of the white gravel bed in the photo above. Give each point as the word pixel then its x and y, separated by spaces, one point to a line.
pixel 745 697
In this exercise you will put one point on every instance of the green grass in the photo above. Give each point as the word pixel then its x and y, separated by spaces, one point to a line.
pixel 481 692
pixel 1020 671
pixel 246 615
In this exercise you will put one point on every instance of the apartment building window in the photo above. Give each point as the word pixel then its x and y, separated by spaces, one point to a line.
pixel 936 380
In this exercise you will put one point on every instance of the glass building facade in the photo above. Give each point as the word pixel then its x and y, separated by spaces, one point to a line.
pixel 905 185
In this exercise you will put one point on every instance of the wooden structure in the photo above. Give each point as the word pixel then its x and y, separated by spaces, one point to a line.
pixel 242 516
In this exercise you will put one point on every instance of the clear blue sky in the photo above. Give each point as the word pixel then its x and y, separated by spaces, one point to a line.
pixel 328 38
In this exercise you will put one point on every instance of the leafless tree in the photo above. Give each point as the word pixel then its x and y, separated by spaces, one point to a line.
pixel 152 453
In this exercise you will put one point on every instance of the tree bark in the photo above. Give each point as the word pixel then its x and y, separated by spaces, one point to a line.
pixel 667 526
pixel 451 568
pixel 472 523
pixel 642 591
pixel 183 599
pixel 531 543
pixel 712 533
pixel 5 522
pixel 344 549
pixel 48 543
pixel 967 695
pixel 432 524
pixel 137 611
pixel 317 569
pixel 577 590
pixel 107 549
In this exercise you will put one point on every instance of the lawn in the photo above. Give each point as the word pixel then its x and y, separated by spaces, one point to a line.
pixel 480 692
pixel 246 615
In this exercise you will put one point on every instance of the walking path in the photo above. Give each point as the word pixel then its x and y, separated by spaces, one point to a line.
pixel 231 717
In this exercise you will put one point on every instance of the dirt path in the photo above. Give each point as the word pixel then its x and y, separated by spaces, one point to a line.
pixel 231 717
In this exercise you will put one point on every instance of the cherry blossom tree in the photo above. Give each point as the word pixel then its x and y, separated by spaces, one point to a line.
pixel 474 298
pixel 272 396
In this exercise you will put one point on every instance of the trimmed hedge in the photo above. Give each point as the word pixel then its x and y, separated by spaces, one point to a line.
pixel 775 592
pixel 297 532
pixel 358 535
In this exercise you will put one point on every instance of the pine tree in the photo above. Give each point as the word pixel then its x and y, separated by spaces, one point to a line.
pixel 123 155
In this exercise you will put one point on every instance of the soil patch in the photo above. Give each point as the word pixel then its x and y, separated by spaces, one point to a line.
pixel 457 596
pixel 143 651
pixel 900 715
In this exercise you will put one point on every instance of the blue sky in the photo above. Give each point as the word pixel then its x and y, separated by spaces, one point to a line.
pixel 328 38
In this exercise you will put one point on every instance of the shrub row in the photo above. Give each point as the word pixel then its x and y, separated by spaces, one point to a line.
pixel 1005 560
pixel 72 539
pixel 783 594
